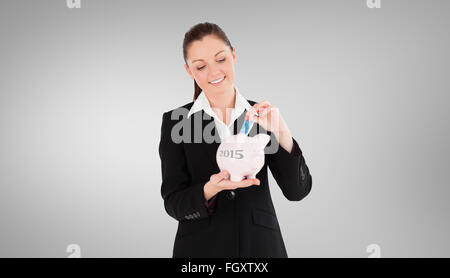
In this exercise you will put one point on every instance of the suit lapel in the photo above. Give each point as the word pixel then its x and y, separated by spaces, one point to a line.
pixel 210 148
pixel 240 121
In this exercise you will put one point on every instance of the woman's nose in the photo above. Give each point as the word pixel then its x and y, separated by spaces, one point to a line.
pixel 216 77
pixel 215 72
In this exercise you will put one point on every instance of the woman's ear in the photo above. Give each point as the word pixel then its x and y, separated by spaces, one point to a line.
pixel 189 71
pixel 233 53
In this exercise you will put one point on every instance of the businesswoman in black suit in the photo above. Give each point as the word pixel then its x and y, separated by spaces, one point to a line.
pixel 218 217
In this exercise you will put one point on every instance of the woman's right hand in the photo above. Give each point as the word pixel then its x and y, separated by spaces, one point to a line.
pixel 220 181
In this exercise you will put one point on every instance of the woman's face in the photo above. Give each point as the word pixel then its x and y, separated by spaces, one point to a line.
pixel 210 59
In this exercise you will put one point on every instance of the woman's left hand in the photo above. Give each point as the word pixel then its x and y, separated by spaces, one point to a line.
pixel 269 117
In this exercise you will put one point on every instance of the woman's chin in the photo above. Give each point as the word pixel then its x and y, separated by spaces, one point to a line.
pixel 221 89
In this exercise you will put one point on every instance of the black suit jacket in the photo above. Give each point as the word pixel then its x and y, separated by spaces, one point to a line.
pixel 244 223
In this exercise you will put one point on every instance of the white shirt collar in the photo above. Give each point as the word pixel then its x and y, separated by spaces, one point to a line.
pixel 202 103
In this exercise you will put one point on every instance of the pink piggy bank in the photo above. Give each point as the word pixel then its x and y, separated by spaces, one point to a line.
pixel 241 155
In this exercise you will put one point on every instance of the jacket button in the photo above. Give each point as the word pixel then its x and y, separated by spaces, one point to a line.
pixel 231 195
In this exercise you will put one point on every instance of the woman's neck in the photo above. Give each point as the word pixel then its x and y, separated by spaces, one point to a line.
pixel 222 104
pixel 222 100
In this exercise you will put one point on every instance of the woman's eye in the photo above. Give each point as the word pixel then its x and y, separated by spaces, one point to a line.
pixel 221 61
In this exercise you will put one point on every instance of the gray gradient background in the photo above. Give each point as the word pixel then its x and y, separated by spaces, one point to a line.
pixel 364 92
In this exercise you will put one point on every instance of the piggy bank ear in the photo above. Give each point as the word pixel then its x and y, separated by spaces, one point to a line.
pixel 261 139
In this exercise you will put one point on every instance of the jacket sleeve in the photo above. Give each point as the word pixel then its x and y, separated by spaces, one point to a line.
pixel 290 171
pixel 183 200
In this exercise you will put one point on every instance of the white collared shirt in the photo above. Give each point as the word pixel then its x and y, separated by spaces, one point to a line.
pixel 241 104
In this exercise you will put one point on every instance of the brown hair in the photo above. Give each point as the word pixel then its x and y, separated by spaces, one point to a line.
pixel 197 32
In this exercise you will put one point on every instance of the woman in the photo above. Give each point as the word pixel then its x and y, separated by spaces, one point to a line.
pixel 218 217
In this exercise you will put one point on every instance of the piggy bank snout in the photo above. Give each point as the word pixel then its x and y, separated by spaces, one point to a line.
pixel 242 156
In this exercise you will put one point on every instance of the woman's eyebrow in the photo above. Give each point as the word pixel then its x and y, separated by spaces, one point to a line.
pixel 202 59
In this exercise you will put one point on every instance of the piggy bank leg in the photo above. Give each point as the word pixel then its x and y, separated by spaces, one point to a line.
pixel 252 176
pixel 236 178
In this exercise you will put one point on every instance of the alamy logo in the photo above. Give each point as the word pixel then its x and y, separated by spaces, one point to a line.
pixel 73 4
pixel 374 250
pixel 74 251
pixel 373 4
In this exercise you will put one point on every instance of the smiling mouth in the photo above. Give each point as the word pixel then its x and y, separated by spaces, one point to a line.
pixel 218 82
